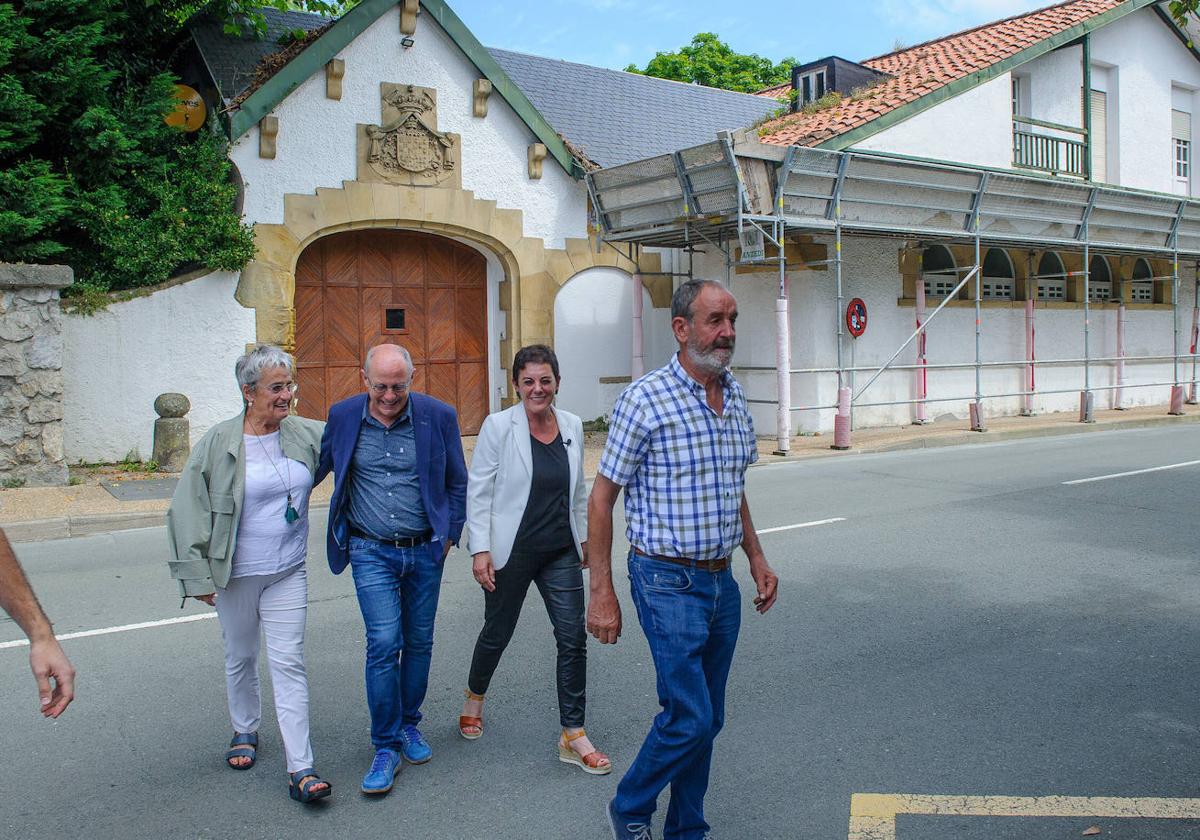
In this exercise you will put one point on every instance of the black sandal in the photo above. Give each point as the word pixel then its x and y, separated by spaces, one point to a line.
pixel 243 745
pixel 300 787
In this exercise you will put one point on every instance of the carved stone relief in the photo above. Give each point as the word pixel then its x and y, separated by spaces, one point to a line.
pixel 407 148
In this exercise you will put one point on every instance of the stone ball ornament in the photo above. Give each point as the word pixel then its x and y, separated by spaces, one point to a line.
pixel 172 405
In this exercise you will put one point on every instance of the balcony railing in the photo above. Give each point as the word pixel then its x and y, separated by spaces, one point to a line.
pixel 1047 153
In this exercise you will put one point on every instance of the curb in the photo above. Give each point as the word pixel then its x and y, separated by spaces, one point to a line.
pixel 970 438
pixel 90 524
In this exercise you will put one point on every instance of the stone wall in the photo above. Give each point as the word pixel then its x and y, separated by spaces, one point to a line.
pixel 31 381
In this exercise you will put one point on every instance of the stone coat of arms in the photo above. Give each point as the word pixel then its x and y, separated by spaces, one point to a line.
pixel 407 147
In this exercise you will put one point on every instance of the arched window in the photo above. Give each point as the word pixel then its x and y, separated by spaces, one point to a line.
pixel 938 271
pixel 1051 278
pixel 1141 290
pixel 998 275
pixel 1099 280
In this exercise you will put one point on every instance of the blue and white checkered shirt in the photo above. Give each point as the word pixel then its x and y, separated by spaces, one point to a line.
pixel 683 467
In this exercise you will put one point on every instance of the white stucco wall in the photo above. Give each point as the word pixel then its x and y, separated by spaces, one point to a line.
pixel 1149 60
pixel 184 338
pixel 316 144
pixel 974 127
pixel 870 271
pixel 593 338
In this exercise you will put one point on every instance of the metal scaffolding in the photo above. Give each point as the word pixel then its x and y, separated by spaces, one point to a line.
pixel 756 194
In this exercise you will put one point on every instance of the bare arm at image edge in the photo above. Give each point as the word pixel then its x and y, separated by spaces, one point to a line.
pixel 53 671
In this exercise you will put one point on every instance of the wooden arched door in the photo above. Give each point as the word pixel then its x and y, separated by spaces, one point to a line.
pixel 361 288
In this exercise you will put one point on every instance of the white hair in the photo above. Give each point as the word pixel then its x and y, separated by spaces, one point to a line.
pixel 251 364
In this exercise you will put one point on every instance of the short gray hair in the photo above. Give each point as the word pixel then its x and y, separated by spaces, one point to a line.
pixel 403 352
pixel 685 296
pixel 251 364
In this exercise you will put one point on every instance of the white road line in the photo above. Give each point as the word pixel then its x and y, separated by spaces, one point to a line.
pixel 1133 472
pixel 104 631
pixel 801 525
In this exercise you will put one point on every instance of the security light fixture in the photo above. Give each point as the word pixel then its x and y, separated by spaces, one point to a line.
pixel 406 42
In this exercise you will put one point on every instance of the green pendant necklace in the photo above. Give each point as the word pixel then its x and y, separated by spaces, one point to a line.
pixel 290 514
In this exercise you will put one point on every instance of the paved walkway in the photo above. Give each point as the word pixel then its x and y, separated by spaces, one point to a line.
pixel 42 513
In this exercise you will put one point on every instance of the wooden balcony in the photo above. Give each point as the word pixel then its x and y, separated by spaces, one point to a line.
pixel 1044 152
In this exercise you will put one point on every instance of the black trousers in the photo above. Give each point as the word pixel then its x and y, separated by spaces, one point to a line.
pixel 560 580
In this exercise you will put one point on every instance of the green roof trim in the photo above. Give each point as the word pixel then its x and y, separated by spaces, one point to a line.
pixel 348 27
pixel 962 85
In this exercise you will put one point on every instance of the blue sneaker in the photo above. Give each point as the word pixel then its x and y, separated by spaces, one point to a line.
pixel 416 748
pixel 382 775
pixel 623 830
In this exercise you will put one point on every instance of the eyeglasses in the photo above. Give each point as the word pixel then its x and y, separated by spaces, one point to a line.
pixel 279 387
pixel 381 389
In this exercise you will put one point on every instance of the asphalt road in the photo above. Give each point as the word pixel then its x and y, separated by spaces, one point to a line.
pixel 972 628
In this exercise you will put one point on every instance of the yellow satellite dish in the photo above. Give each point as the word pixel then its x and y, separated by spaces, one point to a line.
pixel 189 111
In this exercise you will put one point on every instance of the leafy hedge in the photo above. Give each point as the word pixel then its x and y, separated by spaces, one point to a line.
pixel 90 175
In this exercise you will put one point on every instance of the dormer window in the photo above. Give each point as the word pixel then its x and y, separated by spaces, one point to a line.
pixel 812 86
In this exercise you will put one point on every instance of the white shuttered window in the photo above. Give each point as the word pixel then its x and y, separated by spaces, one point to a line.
pixel 1099 138
pixel 1181 152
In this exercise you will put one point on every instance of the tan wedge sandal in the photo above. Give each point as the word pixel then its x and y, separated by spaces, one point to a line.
pixel 595 762
pixel 469 726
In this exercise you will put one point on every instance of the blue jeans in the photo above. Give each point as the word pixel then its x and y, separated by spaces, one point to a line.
pixel 691 619
pixel 398 595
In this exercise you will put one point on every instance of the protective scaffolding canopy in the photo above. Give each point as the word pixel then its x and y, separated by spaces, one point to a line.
pixel 725 192
pixel 711 191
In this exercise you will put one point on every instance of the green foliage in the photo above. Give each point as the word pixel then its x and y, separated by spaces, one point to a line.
pixel 709 61
pixel 90 174
pixel 12 483
pixel 829 100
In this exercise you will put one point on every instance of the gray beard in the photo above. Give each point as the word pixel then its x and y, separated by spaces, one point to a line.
pixel 711 360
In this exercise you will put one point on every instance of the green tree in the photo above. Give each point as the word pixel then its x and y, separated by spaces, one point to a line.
pixel 90 174
pixel 709 61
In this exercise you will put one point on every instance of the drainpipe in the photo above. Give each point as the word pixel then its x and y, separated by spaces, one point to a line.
pixel 637 365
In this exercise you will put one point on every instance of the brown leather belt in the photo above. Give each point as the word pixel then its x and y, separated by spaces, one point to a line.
pixel 718 565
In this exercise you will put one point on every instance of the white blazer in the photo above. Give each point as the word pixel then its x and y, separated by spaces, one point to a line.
pixel 501 475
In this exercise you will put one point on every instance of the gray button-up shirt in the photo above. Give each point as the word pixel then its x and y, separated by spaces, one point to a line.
pixel 385 490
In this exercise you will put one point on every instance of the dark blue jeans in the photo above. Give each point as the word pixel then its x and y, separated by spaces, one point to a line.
pixel 398 595
pixel 691 619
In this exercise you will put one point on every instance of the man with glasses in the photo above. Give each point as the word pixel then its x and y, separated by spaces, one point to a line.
pixel 399 504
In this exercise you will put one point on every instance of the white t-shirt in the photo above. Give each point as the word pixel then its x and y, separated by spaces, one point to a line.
pixel 266 542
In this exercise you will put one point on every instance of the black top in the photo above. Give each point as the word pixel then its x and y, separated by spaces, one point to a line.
pixel 546 524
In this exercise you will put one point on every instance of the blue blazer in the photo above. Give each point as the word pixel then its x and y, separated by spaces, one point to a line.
pixel 440 468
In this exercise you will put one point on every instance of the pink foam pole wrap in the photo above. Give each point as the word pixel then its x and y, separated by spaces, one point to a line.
pixel 922 373
pixel 841 423
pixel 1030 357
pixel 1118 395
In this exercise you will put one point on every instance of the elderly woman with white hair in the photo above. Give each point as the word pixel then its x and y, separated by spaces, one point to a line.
pixel 238 533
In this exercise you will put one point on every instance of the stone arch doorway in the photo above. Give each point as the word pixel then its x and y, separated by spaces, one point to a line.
pixel 361 288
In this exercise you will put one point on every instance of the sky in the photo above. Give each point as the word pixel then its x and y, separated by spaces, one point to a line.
pixel 615 33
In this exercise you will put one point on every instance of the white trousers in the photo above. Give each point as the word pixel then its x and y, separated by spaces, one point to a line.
pixel 274 605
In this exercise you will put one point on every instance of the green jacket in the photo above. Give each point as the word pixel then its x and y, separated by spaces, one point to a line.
pixel 207 506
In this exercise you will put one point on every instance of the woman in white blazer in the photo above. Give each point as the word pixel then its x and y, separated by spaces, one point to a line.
pixel 527 523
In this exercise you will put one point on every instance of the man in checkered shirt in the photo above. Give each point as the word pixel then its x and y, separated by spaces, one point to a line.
pixel 679 443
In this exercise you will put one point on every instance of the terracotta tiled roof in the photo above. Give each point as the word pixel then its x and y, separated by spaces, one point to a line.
pixel 775 92
pixel 920 70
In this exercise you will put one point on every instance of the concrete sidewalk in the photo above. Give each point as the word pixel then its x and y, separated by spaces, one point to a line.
pixel 46 513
